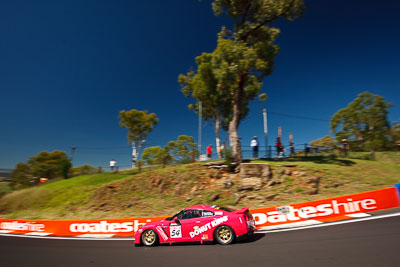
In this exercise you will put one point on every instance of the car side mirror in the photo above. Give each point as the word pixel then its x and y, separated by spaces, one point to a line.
pixel 176 219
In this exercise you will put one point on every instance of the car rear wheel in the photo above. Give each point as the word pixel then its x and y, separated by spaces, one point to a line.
pixel 224 235
pixel 149 238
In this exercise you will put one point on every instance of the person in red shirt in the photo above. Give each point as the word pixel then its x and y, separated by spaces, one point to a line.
pixel 279 146
pixel 209 151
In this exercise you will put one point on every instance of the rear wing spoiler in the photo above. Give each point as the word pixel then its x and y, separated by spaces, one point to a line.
pixel 243 210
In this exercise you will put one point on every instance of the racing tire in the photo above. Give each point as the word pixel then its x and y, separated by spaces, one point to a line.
pixel 224 235
pixel 149 238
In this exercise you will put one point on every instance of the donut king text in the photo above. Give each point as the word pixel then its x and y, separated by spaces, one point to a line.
pixel 334 207
pixel 199 230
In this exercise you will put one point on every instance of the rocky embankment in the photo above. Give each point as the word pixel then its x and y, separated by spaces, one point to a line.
pixel 258 181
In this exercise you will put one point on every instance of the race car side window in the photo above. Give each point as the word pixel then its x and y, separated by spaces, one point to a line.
pixel 206 213
pixel 190 214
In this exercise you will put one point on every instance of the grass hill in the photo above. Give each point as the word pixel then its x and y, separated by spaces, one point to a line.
pixel 5 176
pixel 165 191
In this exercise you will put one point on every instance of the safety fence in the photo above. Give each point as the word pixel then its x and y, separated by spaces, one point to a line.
pixel 290 150
pixel 326 210
pixel 297 151
pixel 270 152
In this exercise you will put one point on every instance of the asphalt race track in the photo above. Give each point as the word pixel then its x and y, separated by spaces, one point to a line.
pixel 366 243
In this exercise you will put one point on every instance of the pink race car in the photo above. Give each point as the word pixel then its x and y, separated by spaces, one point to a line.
pixel 198 224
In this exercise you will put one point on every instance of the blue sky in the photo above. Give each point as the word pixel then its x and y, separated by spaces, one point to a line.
pixel 68 67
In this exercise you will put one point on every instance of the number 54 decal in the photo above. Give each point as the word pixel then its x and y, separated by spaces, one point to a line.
pixel 175 231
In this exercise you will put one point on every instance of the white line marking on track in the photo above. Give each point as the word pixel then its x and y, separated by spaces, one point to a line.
pixel 72 238
pixel 286 225
pixel 358 215
pixel 5 231
pixel 97 235
pixel 334 223
pixel 38 233
pixel 271 231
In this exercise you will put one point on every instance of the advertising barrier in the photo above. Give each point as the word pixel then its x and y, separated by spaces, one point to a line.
pixel 336 208
pixel 343 207
pixel 398 189
pixel 81 228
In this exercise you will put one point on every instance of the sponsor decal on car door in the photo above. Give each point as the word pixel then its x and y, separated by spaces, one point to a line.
pixel 187 226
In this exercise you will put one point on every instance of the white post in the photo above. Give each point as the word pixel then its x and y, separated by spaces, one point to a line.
pixel 265 131
pixel 200 114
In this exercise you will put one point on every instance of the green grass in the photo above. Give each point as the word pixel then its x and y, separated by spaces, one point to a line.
pixel 4 188
pixel 155 192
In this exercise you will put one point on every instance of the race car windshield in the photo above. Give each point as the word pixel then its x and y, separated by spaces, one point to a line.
pixel 176 215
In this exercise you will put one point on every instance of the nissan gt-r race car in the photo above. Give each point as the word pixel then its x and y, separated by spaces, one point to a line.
pixel 198 224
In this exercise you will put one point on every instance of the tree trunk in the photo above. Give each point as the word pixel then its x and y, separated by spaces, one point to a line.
pixel 217 127
pixel 136 147
pixel 234 140
pixel 236 149
pixel 134 154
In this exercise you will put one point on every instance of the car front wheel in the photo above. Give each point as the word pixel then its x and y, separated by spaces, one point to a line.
pixel 149 238
pixel 224 235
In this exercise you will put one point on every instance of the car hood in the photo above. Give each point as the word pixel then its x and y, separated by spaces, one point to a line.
pixel 155 223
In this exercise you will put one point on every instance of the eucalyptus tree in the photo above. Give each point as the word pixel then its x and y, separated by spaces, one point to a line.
pixel 182 149
pixel 21 176
pixel 140 124
pixel 245 53
pixel 50 165
pixel 326 143
pixel 156 155
pixel 364 123
pixel 396 133
pixel 203 86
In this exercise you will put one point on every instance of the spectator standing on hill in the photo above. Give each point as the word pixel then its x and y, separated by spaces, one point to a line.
pixel 279 147
pixel 291 149
pixel 209 151
pixel 254 146
pixel 113 163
